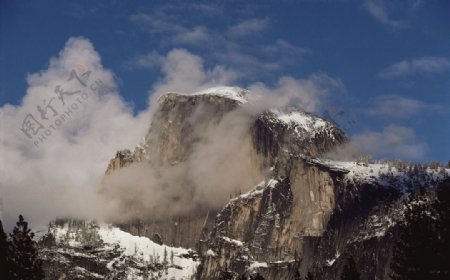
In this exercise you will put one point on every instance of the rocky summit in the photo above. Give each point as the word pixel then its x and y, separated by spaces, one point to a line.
pixel 268 202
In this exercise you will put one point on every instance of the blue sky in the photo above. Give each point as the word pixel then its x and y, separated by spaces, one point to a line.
pixel 384 64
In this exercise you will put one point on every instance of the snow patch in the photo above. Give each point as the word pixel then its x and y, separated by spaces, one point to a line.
pixel 233 241
pixel 257 190
pixel 234 93
pixel 305 125
pixel 333 260
pixel 256 265
pixel 210 253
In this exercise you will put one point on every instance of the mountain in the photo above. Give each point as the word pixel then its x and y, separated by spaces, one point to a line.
pixel 291 211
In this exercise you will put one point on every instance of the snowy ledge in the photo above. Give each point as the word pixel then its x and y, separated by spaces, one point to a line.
pixel 257 190
pixel 384 174
pixel 234 93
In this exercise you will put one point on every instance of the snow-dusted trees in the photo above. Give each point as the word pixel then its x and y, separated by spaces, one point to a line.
pixel 423 248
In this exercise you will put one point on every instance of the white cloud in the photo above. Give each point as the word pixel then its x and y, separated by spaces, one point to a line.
pixel 395 142
pixel 60 176
pixel 416 66
pixel 247 27
pixel 308 94
pixel 377 9
pixel 221 156
pixel 184 72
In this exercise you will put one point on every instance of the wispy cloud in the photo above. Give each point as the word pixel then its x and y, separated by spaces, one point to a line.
pixel 158 22
pixel 150 60
pixel 219 44
pixel 393 141
pixel 198 35
pixel 287 52
pixel 207 9
pixel 416 66
pixel 400 107
pixel 171 31
pixel 247 27
pixel 378 10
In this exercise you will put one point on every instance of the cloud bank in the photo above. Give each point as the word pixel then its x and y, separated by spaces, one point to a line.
pixel 56 171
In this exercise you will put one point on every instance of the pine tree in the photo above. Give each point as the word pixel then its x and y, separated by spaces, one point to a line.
pixel 4 273
pixel 24 263
pixel 350 272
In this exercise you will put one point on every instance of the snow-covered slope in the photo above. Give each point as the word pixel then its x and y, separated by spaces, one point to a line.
pixel 305 124
pixel 98 251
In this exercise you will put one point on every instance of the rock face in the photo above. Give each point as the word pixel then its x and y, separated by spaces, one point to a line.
pixel 270 139
pixel 271 222
pixel 307 214
pixel 312 220
pixel 180 122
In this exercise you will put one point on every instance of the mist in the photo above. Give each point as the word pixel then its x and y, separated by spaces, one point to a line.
pixel 221 163
pixel 56 172
pixel 59 172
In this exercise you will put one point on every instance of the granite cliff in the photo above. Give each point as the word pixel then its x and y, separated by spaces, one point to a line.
pixel 266 201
